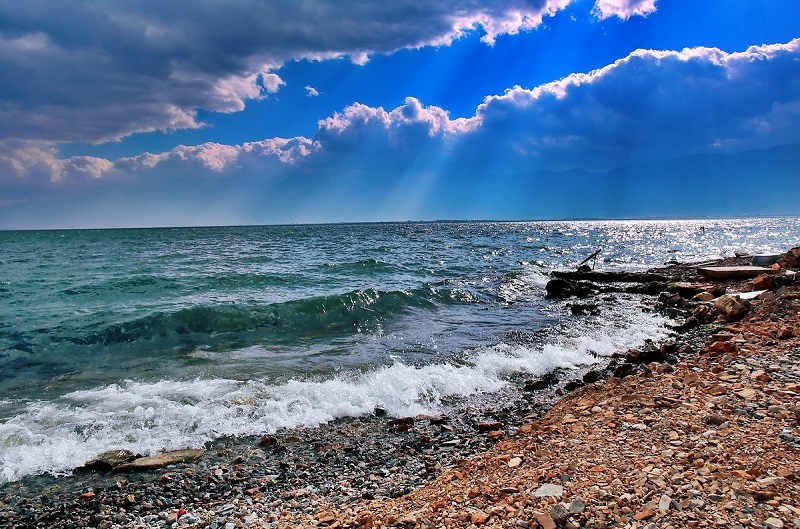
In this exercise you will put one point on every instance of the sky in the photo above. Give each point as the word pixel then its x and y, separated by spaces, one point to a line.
pixel 167 113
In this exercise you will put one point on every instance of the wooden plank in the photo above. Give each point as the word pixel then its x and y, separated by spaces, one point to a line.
pixel 733 272
pixel 749 295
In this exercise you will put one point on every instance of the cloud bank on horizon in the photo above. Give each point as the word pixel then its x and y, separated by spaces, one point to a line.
pixel 86 73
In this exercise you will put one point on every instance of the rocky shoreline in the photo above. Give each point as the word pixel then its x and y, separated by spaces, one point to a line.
pixel 690 432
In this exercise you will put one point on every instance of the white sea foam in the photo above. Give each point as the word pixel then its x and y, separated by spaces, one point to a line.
pixel 57 436
pixel 524 286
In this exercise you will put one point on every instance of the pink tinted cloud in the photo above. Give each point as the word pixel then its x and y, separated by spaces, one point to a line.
pixel 623 9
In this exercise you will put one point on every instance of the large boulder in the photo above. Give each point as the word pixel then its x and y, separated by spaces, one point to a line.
pixel 732 308
pixel 559 289
pixel 563 289
pixel 647 354
pixel 541 383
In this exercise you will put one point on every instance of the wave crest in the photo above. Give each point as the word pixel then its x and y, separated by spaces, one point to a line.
pixel 336 314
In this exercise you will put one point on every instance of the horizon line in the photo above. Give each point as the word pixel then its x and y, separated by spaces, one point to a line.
pixel 400 222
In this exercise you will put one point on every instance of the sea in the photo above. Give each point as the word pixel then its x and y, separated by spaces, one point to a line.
pixel 160 339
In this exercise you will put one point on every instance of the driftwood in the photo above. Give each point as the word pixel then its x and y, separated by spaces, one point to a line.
pixel 611 277
pixel 564 288
pixel 594 255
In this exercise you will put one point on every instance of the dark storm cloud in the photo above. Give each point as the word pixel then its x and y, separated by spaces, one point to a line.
pixel 77 70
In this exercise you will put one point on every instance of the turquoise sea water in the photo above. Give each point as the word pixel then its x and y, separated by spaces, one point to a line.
pixel 158 339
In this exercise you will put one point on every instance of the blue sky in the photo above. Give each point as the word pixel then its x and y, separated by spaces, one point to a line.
pixel 153 114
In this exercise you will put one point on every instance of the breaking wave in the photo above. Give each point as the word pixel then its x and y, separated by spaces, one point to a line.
pixel 336 314
pixel 147 417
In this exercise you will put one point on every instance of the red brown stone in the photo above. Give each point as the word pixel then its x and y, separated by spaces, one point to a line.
pixel 721 347
pixel 790 260
pixel 762 282
pixel 488 426
pixel 479 517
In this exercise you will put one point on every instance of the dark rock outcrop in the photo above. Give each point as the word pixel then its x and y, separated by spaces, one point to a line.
pixel 611 277
pixel 564 289
pixel 541 383
pixel 584 308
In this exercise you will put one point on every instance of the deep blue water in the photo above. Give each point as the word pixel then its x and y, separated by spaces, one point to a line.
pixel 155 339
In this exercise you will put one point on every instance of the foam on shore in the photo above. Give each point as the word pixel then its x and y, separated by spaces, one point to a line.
pixel 148 417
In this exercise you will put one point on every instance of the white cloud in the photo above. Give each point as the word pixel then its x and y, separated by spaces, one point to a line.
pixel 359 57
pixel 210 156
pixel 358 127
pixel 505 19
pixel 623 9
pixel 649 105
pixel 354 118
pixel 24 164
pixel 287 150
pixel 311 91
pixel 358 120
pixel 231 93
pixel 434 120
pixel 108 70
pixel 216 158
pixel 89 166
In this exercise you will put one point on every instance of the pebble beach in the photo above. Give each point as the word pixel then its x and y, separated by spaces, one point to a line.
pixel 700 431
pixel 712 442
